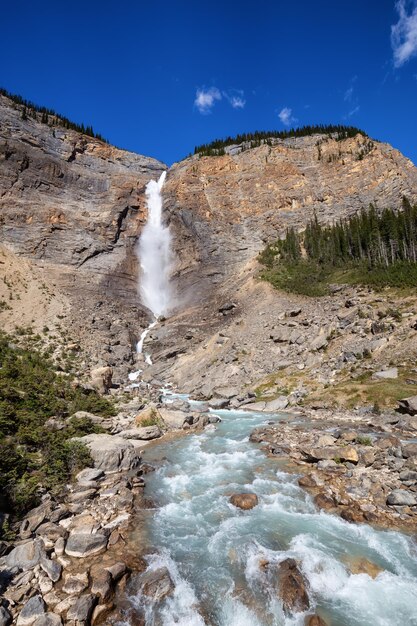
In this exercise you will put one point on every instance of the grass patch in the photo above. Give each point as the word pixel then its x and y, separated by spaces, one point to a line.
pixel 311 279
pixel 362 390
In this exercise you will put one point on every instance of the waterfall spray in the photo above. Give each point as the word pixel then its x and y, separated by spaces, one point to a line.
pixel 154 253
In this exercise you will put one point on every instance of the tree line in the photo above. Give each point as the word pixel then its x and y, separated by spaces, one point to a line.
pixel 380 238
pixel 49 116
pixel 372 247
pixel 258 137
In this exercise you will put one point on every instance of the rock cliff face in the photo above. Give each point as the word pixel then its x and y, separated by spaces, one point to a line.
pixel 226 207
pixel 72 208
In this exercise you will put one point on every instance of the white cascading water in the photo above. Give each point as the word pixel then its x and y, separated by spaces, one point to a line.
pixel 154 254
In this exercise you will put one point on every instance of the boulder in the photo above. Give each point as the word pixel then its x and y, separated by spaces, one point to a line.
pixel 101 378
pixel 52 568
pixel 173 419
pixel 75 584
pixel 401 497
pixel 390 373
pixel 278 404
pixel 292 587
pixel 408 405
pixel 26 555
pixel 326 440
pixel 89 475
pixel 82 609
pixel 144 432
pixel 255 407
pixel 157 584
pixel 328 453
pixel 226 392
pixel 149 415
pixel 218 403
pixel 81 545
pixel 318 343
pixel 244 501
pixel 111 453
pixel 33 609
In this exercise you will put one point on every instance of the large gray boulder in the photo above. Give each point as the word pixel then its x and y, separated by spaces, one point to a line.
pixel 26 555
pixel 143 432
pixel 33 609
pixel 278 404
pixel 173 419
pixel 111 453
pixel 82 544
pixel 401 497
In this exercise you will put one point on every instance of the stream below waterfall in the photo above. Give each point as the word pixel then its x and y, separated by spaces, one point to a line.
pixel 215 552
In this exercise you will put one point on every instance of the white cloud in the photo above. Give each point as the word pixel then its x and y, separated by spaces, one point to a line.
pixel 286 116
pixel 404 32
pixel 348 94
pixel 354 111
pixel 205 99
pixel 235 98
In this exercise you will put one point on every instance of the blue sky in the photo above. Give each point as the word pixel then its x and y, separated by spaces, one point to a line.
pixel 160 77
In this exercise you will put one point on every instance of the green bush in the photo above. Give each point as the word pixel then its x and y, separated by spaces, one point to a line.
pixel 33 456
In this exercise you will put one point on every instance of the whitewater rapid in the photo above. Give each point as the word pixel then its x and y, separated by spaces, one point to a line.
pixel 214 551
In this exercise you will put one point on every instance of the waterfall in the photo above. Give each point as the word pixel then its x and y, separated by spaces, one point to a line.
pixel 154 254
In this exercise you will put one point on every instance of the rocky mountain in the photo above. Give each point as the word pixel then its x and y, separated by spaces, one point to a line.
pixel 72 208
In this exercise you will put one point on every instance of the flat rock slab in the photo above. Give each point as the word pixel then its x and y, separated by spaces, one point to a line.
pixel 386 374
pixel 111 453
pixel 81 545
pixel 173 419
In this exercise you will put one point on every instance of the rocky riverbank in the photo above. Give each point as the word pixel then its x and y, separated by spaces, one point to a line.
pixel 359 465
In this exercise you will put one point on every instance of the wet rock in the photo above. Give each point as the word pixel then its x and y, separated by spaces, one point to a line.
pixel 26 555
pixel 314 620
pixel 82 609
pixel 81 544
pixel 218 403
pixel 5 617
pixel 307 481
pixel 117 570
pixel 360 565
pixel 33 609
pixel 157 584
pixel 292 587
pixel 244 501
pixel 111 453
pixel 324 501
pixel 401 497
